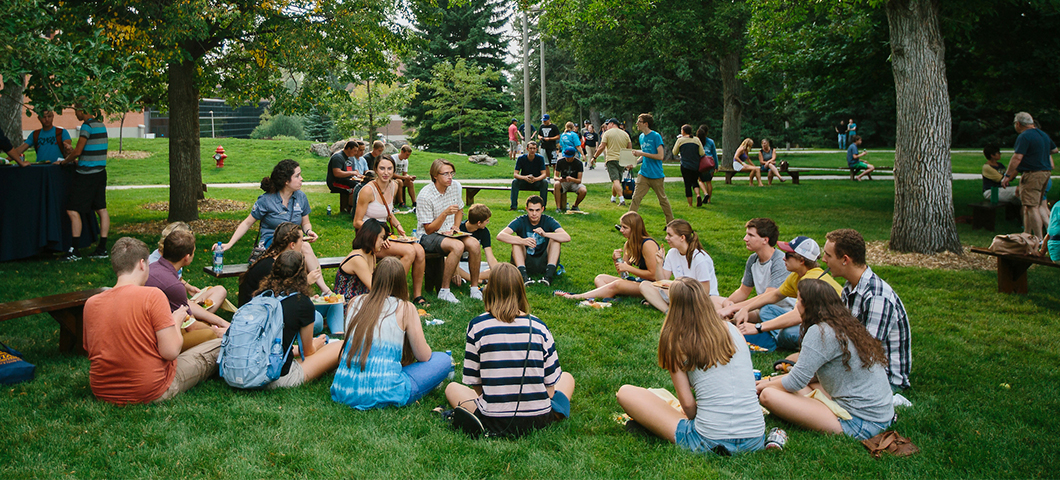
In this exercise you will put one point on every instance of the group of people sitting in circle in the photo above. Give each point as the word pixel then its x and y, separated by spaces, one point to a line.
pixel 147 341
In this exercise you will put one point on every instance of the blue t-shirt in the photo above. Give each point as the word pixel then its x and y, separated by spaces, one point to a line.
pixel 711 150
pixel 1054 233
pixel 1034 145
pixel 269 210
pixel 851 151
pixel 571 140
pixel 46 147
pixel 650 143
pixel 522 228
pixel 534 167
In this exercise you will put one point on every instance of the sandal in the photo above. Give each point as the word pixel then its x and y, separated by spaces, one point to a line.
pixel 783 365
pixel 421 302
pixel 561 293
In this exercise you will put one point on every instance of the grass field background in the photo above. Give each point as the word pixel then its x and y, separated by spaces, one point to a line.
pixel 968 343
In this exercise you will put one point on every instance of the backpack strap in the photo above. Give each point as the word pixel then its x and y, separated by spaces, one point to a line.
pixel 36 140
pixel 59 140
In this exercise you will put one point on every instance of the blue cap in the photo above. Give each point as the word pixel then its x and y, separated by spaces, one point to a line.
pixel 569 152
pixel 544 117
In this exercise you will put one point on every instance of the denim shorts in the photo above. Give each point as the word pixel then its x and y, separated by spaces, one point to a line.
pixel 688 438
pixel 862 429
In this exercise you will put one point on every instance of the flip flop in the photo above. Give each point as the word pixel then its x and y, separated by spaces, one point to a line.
pixel 561 293
pixel 783 365
pixel 421 302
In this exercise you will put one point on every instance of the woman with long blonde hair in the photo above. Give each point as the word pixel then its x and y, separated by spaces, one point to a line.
pixel 635 262
pixel 742 163
pixel 385 359
pixel 514 383
pixel 711 369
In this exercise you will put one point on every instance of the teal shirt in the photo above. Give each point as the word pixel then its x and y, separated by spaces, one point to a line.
pixel 650 143
pixel 1054 233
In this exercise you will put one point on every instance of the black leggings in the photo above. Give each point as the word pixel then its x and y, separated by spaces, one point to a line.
pixel 691 178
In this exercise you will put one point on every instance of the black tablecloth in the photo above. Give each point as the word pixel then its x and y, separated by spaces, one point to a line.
pixel 32 213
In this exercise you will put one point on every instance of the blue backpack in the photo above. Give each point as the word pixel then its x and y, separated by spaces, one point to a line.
pixel 252 353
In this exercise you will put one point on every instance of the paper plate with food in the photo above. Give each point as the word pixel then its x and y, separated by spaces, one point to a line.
pixel 402 238
pixel 664 284
pixel 327 299
pixel 458 234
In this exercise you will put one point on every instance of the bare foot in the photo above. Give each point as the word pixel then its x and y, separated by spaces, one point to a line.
pixel 561 293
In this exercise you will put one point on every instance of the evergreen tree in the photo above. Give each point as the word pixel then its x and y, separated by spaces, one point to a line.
pixel 319 127
pixel 469 31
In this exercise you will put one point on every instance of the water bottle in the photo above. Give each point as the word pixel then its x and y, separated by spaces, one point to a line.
pixel 218 258
pixel 329 210
pixel 275 358
pixel 416 233
pixel 452 367
pixel 993 195
pixel 538 239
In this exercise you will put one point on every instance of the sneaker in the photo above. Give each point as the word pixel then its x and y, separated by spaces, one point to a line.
pixel 475 293
pixel 447 295
pixel 612 199
pixel 776 439
pixel 545 280
pixel 527 280
pixel 699 201
pixel 512 209
pixel 99 254
pixel 575 209
pixel 622 202
pixel 70 256
pixel 559 211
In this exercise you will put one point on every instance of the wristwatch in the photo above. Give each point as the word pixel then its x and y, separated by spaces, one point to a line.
pixel 758 326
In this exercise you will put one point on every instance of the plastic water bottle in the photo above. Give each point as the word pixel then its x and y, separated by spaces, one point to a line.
pixel 218 258
pixel 537 238
pixel 275 358
pixel 329 210
pixel 416 233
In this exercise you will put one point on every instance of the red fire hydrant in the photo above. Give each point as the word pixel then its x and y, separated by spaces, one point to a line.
pixel 219 156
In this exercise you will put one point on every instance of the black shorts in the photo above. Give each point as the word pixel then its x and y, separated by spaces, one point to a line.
pixel 87 192
pixel 535 264
pixel 432 243
pixel 515 426
pixel 707 175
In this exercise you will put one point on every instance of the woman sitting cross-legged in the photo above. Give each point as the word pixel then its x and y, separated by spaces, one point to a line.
pixel 354 276
pixel 635 263
pixel 686 258
pixel 510 363
pixel 383 333
pixel 847 361
pixel 709 356
pixel 289 277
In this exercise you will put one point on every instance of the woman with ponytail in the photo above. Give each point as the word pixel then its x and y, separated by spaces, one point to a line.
pixel 686 258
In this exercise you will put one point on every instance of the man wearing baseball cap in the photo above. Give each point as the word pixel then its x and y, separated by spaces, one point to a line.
pixel 800 258
pixel 612 142
pixel 568 178
pixel 549 135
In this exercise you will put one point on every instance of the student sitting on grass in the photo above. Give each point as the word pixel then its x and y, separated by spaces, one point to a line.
pixel 686 258
pixel 179 248
pixel 215 294
pixel 288 236
pixel 707 355
pixel 290 277
pixel 536 241
pixel 847 361
pixel 133 340
pixel 511 365
pixel 764 273
pixel 378 325
pixel 354 276
pixel 478 219
pixel 635 262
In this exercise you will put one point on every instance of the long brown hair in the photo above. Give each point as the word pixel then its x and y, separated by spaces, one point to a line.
pixel 693 335
pixel 505 294
pixel 388 281
pixel 285 234
pixel 288 275
pixel 637 234
pixel 821 304
pixel 682 228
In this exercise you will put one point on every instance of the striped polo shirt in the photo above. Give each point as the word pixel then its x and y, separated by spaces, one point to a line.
pixel 494 357
pixel 94 155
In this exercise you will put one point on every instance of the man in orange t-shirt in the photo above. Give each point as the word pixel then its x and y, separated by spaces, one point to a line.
pixel 133 341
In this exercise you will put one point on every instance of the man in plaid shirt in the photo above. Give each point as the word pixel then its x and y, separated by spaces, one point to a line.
pixel 872 301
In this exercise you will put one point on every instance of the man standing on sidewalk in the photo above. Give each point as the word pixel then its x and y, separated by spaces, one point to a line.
pixel 612 142
pixel 651 171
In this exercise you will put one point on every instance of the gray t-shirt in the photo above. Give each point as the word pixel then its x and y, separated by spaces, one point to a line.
pixel 866 394
pixel 726 402
pixel 770 274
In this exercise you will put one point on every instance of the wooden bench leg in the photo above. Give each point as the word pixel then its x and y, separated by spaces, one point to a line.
pixel 728 177
pixel 1012 275
pixel 71 328
pixel 432 279
pixel 469 195
pixel 794 177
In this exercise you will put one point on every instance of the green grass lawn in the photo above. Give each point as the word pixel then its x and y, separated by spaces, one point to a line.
pixel 967 342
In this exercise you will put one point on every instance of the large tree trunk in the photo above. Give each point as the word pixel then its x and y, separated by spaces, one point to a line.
pixel 11 108
pixel 185 174
pixel 923 198
pixel 729 65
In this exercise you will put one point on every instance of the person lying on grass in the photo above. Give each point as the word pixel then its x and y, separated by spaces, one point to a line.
pixel 215 294
pixel 635 262
pixel 849 367
pixel 514 383
pixel 378 326
pixel 686 258
pixel 290 277
pixel 707 355
pixel 283 201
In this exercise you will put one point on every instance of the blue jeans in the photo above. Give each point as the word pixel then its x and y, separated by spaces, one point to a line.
pixel 687 437
pixel 862 429
pixel 541 186
pixel 784 339
pixel 426 376
pixel 842 141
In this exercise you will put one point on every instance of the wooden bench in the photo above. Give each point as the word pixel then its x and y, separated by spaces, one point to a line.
pixel 791 173
pixel 432 280
pixel 984 214
pixel 1012 269
pixel 471 190
pixel 66 308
